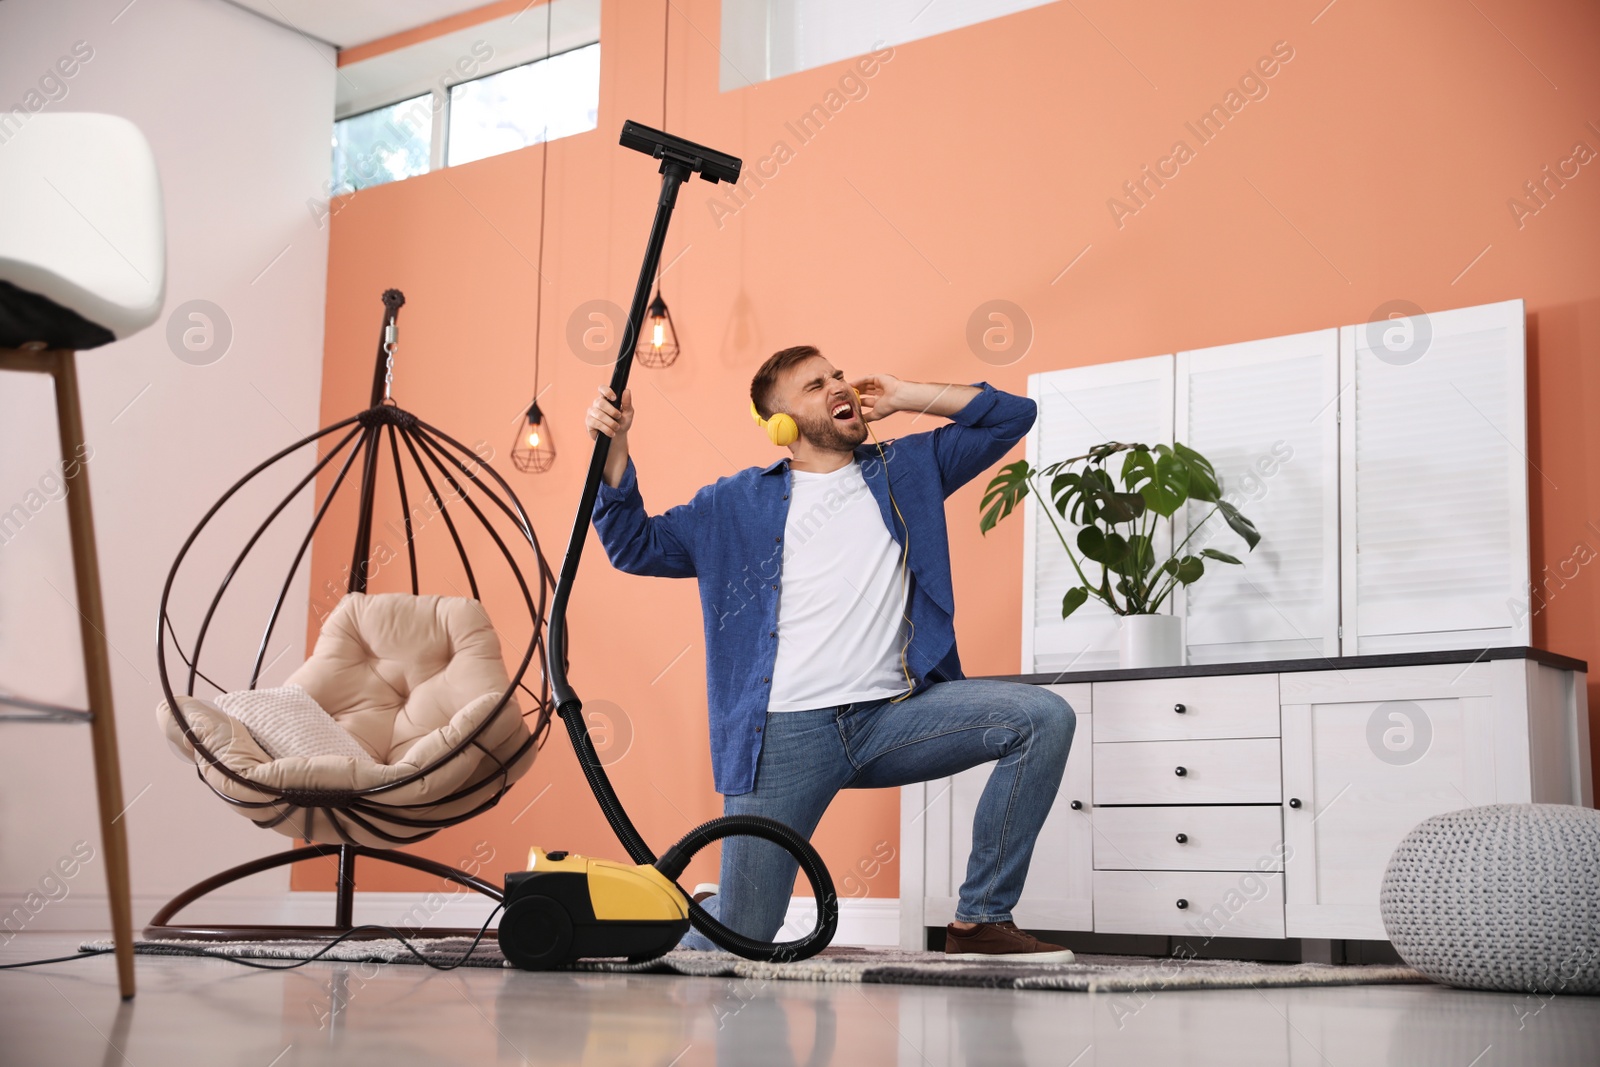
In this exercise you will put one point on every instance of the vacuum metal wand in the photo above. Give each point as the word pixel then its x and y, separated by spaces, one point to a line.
pixel 680 160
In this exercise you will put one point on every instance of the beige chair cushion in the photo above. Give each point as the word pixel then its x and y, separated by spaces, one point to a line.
pixel 408 677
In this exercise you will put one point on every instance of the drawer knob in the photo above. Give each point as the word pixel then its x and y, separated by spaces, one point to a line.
pixel 1294 802
pixel 1182 904
pixel 1182 772
pixel 1179 708
pixel 1077 805
pixel 1183 839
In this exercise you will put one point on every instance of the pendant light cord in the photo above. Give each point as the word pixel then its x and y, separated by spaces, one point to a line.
pixel 544 195
pixel 666 36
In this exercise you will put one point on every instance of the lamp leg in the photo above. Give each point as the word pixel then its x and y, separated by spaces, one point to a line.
pixel 97 665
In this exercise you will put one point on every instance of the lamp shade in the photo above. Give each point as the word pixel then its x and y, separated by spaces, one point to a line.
pixel 534 450
pixel 658 340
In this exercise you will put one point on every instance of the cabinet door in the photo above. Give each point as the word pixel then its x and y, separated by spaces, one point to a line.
pixel 1367 758
pixel 1434 482
pixel 1081 407
pixel 1058 894
pixel 1265 413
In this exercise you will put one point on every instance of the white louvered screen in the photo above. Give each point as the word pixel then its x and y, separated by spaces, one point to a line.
pixel 1078 408
pixel 1265 414
pixel 1434 500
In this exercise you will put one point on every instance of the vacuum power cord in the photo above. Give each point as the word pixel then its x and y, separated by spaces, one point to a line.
pixel 189 950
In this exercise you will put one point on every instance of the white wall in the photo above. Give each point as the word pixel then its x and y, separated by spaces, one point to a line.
pixel 238 112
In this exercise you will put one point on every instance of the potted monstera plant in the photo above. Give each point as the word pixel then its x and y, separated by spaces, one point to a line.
pixel 1116 517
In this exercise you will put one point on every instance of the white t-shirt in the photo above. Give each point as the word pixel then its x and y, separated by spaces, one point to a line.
pixel 841 605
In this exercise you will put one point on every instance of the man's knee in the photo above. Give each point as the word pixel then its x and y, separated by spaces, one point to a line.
pixel 1053 721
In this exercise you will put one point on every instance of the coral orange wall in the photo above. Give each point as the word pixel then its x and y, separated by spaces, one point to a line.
pixel 972 166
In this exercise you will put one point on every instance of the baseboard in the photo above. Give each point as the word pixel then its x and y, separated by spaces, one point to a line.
pixel 862 921
pixel 91 912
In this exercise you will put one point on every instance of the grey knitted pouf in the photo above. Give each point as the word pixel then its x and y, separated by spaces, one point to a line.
pixel 1504 897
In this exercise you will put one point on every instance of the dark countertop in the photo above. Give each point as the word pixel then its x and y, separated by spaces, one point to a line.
pixel 1286 666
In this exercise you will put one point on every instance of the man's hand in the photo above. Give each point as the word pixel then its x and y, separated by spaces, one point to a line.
pixel 877 392
pixel 605 417
pixel 884 394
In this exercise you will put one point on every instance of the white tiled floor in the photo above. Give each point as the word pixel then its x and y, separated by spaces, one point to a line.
pixel 214 1012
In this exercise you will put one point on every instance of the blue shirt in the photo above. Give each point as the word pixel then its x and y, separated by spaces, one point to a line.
pixel 730 537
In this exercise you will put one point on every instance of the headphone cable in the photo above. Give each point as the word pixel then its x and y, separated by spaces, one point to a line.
pixel 905 562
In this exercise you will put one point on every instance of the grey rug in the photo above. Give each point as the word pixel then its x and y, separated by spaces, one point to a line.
pixel 845 964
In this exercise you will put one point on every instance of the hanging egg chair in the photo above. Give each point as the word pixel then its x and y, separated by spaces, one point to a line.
pixel 403 720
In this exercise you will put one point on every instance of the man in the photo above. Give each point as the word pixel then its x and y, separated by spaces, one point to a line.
pixel 830 642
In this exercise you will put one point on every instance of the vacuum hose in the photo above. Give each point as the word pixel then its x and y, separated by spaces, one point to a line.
pixel 675 859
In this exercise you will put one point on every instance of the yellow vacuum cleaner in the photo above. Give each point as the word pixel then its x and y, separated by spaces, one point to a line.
pixel 566 907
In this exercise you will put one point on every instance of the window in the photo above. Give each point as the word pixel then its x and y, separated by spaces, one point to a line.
pixel 525 105
pixel 764 39
pixel 383 145
pixel 491 87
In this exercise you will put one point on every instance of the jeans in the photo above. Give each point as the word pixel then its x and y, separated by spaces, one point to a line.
pixel 808 756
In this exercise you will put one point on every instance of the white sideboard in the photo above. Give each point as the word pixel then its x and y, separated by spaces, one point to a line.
pixel 1259 800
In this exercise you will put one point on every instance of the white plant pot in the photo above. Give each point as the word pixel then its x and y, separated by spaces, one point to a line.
pixel 1150 640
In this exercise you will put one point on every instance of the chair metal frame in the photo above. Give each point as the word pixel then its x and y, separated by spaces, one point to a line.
pixel 364 438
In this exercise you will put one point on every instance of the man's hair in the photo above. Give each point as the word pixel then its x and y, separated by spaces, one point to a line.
pixel 767 377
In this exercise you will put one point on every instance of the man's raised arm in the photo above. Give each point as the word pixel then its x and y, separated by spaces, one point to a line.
pixel 636 542
pixel 984 424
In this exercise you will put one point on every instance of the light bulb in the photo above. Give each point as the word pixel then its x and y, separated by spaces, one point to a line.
pixel 533 439
pixel 659 334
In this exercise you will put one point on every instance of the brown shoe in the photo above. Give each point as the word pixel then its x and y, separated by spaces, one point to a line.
pixel 1001 941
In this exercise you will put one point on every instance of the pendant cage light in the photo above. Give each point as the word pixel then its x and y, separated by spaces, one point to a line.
pixel 658 341
pixel 535 449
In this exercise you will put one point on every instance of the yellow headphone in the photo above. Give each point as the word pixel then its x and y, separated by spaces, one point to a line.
pixel 782 430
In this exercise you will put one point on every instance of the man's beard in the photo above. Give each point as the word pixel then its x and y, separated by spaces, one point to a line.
pixel 833 435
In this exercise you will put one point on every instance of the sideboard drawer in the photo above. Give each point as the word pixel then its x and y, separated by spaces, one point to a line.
pixel 1241 705
pixel 1201 838
pixel 1189 903
pixel 1240 771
